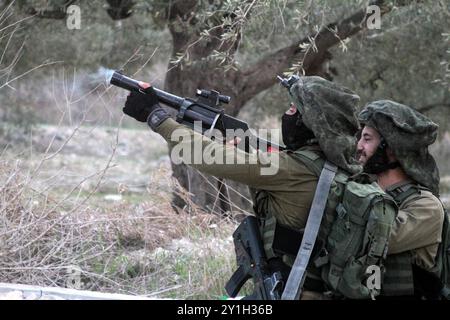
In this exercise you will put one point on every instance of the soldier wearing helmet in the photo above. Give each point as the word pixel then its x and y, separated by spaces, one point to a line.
pixel 393 146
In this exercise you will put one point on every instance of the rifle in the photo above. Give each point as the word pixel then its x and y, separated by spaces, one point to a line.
pixel 250 254
pixel 252 263
pixel 206 108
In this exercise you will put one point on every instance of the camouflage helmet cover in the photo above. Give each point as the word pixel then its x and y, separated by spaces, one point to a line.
pixel 330 112
pixel 408 133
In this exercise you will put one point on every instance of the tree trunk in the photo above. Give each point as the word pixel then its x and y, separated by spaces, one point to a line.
pixel 185 78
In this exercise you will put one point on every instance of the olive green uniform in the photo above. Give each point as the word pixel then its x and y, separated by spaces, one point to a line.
pixel 286 195
pixel 291 189
pixel 418 227
pixel 327 109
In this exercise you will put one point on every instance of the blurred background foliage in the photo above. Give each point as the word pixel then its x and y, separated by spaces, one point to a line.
pixel 406 60
pixel 58 71
pixel 56 107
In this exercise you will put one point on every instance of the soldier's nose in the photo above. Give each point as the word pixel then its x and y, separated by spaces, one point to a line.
pixel 359 146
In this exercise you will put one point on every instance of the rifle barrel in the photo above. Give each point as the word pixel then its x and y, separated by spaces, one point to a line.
pixel 130 84
pixel 192 111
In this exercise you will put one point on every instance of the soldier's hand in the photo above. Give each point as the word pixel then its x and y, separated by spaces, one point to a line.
pixel 140 105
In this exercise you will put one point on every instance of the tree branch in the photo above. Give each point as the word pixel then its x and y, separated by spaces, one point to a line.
pixel 197 37
pixel 261 75
pixel 58 13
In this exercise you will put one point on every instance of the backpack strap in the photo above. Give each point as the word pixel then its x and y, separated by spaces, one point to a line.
pixel 403 192
pixel 267 221
pixel 312 160
pixel 297 275
pixel 398 279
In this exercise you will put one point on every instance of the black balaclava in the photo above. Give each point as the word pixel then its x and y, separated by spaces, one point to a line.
pixel 295 133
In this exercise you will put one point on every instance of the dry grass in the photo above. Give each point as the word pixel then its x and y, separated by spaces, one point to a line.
pixel 57 226
pixel 126 248
pixel 58 229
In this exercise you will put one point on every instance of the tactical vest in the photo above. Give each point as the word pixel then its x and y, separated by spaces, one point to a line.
pixel 278 239
pixel 400 270
pixel 352 235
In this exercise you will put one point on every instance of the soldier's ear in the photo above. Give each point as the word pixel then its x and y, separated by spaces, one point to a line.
pixel 390 154
pixel 383 143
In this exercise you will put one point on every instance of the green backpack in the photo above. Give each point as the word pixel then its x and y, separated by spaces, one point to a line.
pixel 357 240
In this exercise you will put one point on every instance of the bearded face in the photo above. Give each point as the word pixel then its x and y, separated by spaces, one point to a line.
pixel 372 153
pixel 367 144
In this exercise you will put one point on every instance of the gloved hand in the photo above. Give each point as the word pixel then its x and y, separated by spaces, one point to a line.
pixel 139 105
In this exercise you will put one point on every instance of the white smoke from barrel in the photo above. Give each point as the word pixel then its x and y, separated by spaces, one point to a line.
pixel 102 76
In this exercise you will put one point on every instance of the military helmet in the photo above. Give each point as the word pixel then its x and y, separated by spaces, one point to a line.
pixel 408 133
pixel 330 112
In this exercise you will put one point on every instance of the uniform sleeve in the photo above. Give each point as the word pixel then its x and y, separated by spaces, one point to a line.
pixel 418 224
pixel 259 169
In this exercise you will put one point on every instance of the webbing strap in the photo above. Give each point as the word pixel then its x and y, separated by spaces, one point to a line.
pixel 296 277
